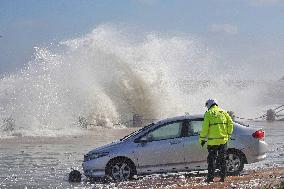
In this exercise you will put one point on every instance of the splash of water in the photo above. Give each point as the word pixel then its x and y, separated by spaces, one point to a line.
pixel 105 77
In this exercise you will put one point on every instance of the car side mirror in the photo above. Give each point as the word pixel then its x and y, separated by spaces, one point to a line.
pixel 149 137
pixel 143 140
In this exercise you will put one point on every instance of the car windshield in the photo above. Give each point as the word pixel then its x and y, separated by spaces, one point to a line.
pixel 136 132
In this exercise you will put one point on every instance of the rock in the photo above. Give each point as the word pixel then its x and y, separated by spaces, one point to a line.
pixel 233 185
pixel 75 176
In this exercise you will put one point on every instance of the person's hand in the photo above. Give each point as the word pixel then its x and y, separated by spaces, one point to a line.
pixel 203 142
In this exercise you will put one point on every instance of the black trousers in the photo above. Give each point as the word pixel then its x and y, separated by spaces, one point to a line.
pixel 217 155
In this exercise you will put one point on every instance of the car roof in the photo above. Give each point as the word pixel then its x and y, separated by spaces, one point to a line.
pixel 179 118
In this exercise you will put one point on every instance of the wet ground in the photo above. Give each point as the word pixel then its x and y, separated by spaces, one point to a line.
pixel 44 162
pixel 268 177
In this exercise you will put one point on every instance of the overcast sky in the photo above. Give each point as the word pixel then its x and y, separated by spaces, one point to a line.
pixel 239 30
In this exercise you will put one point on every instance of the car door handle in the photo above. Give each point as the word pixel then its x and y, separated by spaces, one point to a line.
pixel 175 142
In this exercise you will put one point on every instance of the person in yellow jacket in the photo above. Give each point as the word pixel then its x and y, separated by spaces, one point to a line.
pixel 217 128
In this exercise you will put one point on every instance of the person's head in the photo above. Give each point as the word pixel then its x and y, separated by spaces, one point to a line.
pixel 210 102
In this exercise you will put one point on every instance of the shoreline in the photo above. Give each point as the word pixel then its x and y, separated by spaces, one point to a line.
pixel 265 178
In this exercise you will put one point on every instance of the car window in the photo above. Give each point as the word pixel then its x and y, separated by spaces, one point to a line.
pixel 171 130
pixel 136 132
pixel 194 128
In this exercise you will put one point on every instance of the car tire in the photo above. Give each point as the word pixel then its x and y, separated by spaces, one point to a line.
pixel 120 169
pixel 235 162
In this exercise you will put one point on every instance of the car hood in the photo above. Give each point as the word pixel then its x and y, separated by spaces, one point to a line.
pixel 106 147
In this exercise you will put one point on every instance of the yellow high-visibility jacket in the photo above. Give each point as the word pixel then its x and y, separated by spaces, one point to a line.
pixel 217 126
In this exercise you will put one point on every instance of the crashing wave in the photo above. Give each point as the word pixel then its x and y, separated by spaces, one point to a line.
pixel 104 78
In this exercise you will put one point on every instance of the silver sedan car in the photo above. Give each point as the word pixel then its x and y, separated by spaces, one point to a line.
pixel 171 145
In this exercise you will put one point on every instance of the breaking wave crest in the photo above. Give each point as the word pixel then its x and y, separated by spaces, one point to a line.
pixel 104 78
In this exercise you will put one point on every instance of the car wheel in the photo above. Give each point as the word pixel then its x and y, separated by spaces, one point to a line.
pixel 121 170
pixel 235 163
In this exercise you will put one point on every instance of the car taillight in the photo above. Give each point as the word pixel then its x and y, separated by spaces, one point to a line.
pixel 259 134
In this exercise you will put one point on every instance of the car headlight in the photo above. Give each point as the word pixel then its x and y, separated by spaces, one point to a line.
pixel 95 155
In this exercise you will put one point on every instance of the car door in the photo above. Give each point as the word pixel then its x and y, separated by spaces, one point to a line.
pixel 162 149
pixel 195 154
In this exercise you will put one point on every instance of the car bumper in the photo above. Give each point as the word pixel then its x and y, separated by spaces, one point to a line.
pixel 95 167
pixel 253 159
pixel 258 153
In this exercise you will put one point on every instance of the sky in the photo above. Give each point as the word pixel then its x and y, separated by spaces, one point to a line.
pixel 250 31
